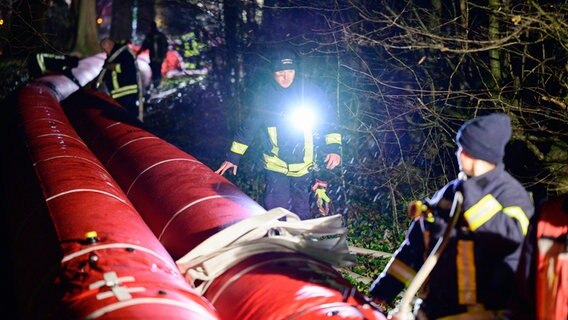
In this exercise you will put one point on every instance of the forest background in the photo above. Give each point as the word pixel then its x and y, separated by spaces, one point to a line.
pixel 403 76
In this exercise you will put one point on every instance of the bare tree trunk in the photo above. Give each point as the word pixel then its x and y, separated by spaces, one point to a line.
pixel 121 24
pixel 435 19
pixel 87 42
pixel 146 15
pixel 494 55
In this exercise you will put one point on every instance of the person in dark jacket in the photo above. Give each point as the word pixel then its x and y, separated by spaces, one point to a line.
pixel 44 63
pixel 474 275
pixel 292 117
pixel 157 45
pixel 121 76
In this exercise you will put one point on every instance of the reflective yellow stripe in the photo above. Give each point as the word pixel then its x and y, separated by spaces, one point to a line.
pixel 115 84
pixel 271 167
pixel 238 148
pixel 465 262
pixel 298 169
pixel 482 211
pixel 308 147
pixel 293 170
pixel 124 91
pixel 519 214
pixel 41 62
pixel 273 163
pixel 401 271
pixel 333 138
pixel 273 140
pixel 129 88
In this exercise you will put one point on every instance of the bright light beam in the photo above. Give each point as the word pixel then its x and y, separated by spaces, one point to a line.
pixel 303 118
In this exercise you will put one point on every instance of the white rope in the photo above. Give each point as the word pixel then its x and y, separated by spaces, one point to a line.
pixel 324 239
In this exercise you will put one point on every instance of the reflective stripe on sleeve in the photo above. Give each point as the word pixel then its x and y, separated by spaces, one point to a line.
pixel 401 271
pixel 333 138
pixel 465 263
pixel 273 136
pixel 41 62
pixel 518 214
pixel 482 211
pixel 238 148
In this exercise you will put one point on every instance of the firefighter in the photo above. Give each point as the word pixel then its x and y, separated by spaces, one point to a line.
pixel 291 116
pixel 157 45
pixel 121 76
pixel 474 275
pixel 191 50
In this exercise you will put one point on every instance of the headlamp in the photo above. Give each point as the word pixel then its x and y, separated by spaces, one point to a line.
pixel 302 118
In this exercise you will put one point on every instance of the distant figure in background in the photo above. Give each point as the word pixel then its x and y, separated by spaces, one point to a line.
pixel 157 45
pixel 121 77
pixel 43 63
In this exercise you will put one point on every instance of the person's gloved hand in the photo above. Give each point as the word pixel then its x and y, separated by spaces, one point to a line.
pixel 322 199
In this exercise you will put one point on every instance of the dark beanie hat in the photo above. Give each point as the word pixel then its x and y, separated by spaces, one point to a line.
pixel 284 60
pixel 485 137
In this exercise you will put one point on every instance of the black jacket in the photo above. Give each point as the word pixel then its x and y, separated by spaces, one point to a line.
pixel 481 257
pixel 288 146
pixel 121 73
pixel 157 45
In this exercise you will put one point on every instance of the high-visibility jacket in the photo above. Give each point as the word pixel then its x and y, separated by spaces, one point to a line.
pixel 123 80
pixel 288 146
pixel 475 274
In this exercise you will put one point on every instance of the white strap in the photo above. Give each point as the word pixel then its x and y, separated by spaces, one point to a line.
pixel 324 239
pixel 114 282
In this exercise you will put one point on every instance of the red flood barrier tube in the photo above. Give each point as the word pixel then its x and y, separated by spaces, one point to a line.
pixel 180 199
pixel 111 264
pixel 188 206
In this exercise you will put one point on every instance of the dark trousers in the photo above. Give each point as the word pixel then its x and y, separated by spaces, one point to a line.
pixel 130 103
pixel 292 193
pixel 156 67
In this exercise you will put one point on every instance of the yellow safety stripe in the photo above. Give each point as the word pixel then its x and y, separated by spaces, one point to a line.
pixel 276 164
pixel 401 271
pixel 333 138
pixel 482 211
pixel 115 83
pixel 273 163
pixel 238 148
pixel 124 91
pixel 275 168
pixel 465 262
pixel 519 214
pixel 273 140
pixel 308 146
pixel 41 62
